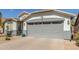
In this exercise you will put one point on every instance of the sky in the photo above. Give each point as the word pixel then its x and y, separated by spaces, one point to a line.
pixel 7 13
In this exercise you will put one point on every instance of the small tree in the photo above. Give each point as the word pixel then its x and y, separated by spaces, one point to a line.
pixel 0 19
pixel 77 38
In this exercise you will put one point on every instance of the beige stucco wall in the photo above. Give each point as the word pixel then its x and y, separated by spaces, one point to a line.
pixel 12 26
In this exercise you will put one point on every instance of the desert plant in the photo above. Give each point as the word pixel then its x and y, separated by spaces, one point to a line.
pixel 77 38
pixel 23 35
pixel 7 37
pixel 77 41
pixel 76 35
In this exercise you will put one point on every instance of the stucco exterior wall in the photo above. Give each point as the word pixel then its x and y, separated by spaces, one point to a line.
pixel 25 28
pixel 13 27
pixel 41 17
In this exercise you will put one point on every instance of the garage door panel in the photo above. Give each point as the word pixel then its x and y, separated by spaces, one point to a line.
pixel 46 30
pixel 52 27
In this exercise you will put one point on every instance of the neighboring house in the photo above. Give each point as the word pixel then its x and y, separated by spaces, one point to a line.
pixel 1 26
pixel 10 24
pixel 15 25
pixel 49 24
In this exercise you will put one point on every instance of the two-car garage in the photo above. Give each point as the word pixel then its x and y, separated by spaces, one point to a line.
pixel 53 28
pixel 49 24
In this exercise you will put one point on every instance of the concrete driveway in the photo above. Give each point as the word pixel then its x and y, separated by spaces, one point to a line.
pixel 31 43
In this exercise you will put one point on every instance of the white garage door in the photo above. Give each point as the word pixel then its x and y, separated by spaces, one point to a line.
pixel 46 29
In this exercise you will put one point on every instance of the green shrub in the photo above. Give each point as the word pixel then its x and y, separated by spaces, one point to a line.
pixel 9 34
pixel 7 37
